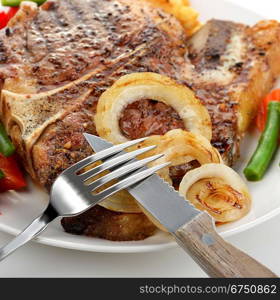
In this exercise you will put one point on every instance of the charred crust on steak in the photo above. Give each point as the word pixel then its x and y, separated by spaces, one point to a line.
pixel 214 38
pixel 103 223
pixel 3 54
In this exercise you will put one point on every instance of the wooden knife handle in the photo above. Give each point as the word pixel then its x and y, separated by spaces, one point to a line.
pixel 214 255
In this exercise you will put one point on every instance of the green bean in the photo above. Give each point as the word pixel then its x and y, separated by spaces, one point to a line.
pixel 6 147
pixel 17 2
pixel 267 145
pixel 1 174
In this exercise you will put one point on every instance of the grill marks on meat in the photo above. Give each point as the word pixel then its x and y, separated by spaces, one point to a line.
pixel 206 53
pixel 228 76
pixel 68 46
pixel 223 112
pixel 125 40
pixel 213 52
pixel 71 48
pixel 62 145
pixel 148 117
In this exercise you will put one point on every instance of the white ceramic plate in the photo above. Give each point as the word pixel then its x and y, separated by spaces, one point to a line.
pixel 18 209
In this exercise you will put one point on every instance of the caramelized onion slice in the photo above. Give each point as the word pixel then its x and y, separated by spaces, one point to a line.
pixel 219 190
pixel 138 86
pixel 179 147
pixel 121 202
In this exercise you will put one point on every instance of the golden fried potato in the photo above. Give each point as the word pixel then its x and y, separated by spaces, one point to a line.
pixel 182 10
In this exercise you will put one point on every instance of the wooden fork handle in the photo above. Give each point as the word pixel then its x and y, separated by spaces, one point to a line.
pixel 214 255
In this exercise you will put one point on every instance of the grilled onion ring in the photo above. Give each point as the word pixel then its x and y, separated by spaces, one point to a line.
pixel 122 201
pixel 179 147
pixel 217 189
pixel 137 86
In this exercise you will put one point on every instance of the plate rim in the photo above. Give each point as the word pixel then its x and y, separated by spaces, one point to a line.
pixel 133 248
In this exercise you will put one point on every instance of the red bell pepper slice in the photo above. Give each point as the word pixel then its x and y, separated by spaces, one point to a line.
pixel 6 16
pixel 3 19
pixel 263 109
pixel 13 179
pixel 11 12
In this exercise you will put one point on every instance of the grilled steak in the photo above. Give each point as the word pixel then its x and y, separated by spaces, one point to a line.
pixel 70 52
pixel 232 68
pixel 103 223
pixel 56 60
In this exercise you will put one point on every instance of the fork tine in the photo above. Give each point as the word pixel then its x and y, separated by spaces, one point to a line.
pixel 129 181
pixel 111 163
pixel 122 171
pixel 103 154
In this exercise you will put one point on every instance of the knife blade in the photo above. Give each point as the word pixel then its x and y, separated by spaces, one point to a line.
pixel 193 230
pixel 160 199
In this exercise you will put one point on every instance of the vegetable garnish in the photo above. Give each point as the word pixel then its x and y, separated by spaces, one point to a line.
pixel 6 147
pixel 10 175
pixel 11 12
pixel 267 145
pixel 219 190
pixel 13 179
pixel 17 2
pixel 262 113
pixel 6 16
pixel 3 19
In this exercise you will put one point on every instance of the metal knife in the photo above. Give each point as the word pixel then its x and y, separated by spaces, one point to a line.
pixel 193 230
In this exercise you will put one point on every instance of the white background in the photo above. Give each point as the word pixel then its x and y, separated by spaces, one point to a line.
pixel 35 260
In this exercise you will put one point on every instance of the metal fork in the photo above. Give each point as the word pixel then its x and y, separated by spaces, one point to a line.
pixel 71 194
